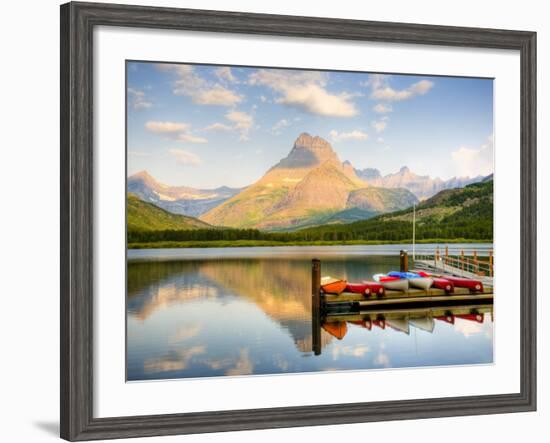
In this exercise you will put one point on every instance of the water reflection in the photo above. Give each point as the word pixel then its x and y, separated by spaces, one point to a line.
pixel 233 316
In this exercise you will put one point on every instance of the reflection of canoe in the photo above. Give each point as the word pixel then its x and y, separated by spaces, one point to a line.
pixel 399 324
pixel 443 283
pixel 473 285
pixel 421 282
pixel 478 318
pixel 367 324
pixel 425 323
pixel 333 285
pixel 392 283
pixel 337 329
pixel 450 318
pixel 380 323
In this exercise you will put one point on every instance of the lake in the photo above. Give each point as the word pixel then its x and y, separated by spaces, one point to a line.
pixel 243 311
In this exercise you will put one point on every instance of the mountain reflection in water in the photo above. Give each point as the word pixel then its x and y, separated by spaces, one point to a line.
pixel 230 316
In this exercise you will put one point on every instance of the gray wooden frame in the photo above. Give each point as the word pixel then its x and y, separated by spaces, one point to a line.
pixel 77 24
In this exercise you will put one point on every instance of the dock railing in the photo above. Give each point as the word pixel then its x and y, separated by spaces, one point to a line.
pixel 466 261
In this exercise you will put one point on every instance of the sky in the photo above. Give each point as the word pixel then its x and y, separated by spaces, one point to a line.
pixel 206 126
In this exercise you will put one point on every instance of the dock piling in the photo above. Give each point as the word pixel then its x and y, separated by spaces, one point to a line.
pixel 403 261
pixel 316 306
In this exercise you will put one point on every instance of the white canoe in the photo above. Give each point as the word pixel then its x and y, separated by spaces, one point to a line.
pixel 401 284
pixel 421 283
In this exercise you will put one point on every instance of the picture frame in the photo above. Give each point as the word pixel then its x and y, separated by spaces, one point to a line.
pixel 78 21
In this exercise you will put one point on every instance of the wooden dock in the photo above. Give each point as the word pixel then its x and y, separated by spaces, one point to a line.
pixel 392 299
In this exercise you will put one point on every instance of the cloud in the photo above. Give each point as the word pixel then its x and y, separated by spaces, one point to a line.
pixel 283 123
pixel 380 125
pixel 166 127
pixel 356 134
pixel 138 100
pixel 382 108
pixel 381 90
pixel 472 162
pixel 380 140
pixel 218 127
pixel 242 122
pixel 190 138
pixel 224 73
pixel 188 83
pixel 305 90
pixel 175 131
pixel 185 157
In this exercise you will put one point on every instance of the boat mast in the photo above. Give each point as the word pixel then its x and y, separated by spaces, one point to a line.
pixel 414 230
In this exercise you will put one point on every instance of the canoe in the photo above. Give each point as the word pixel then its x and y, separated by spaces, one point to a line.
pixel 331 285
pixel 380 323
pixel 375 288
pixel 420 282
pixel 358 288
pixel 460 282
pixel 392 283
pixel 443 283
pixel 403 274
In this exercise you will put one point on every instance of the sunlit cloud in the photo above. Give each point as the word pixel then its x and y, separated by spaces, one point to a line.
pixel 242 122
pixel 473 161
pixel 189 83
pixel 381 90
pixel 283 123
pixel 305 90
pixel 380 125
pixel 218 127
pixel 138 99
pixel 166 127
pixel 356 134
pixel 382 108
pixel 225 73
pixel 185 157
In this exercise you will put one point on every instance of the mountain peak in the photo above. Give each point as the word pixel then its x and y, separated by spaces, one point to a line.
pixel 308 151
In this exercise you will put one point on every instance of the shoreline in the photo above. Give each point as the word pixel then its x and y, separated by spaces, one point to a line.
pixel 269 243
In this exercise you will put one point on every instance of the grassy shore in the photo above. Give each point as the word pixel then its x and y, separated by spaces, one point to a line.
pixel 255 243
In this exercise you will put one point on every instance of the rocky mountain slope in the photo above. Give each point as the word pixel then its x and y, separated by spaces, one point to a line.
pixel 143 216
pixel 177 199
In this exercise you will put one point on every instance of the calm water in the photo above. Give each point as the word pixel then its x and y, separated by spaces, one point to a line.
pixel 213 312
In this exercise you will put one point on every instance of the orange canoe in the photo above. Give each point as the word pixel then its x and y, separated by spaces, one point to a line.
pixel 337 329
pixel 331 285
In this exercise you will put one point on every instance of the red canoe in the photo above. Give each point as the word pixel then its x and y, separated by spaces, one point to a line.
pixel 375 287
pixel 358 288
pixel 443 283
pixel 367 288
pixel 472 285
pixel 380 323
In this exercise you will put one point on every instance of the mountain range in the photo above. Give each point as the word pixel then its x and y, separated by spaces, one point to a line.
pixel 423 186
pixel 307 187
pixel 311 186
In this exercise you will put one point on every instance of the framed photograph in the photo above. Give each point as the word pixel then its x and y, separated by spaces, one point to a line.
pixel 272 221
